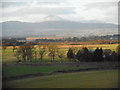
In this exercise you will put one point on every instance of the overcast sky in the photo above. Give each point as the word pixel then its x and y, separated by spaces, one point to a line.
pixel 74 10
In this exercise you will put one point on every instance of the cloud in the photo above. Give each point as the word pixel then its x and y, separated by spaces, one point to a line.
pixel 60 0
pixel 77 10
pixel 38 11
pixel 35 9
pixel 46 10
pixel 12 4
pixel 105 11
pixel 39 8
pixel 101 5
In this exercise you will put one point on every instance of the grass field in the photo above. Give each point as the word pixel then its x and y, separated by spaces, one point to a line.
pixel 8 56
pixel 49 67
pixel 9 71
pixel 90 79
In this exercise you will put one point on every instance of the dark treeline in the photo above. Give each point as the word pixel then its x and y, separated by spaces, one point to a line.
pixel 97 55
pixel 11 42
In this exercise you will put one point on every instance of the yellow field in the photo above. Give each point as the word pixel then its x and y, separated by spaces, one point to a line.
pixel 104 46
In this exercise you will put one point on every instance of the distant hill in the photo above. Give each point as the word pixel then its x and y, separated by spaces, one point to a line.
pixel 60 27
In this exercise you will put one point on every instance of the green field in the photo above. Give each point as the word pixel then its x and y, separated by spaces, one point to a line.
pixel 9 71
pixel 90 79
pixel 8 56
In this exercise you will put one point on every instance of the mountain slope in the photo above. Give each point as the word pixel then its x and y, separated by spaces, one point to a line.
pixel 16 28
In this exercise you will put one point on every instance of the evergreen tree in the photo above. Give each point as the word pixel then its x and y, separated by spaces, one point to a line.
pixel 98 55
pixel 114 56
pixel 85 54
pixel 85 50
pixel 79 55
pixel 70 54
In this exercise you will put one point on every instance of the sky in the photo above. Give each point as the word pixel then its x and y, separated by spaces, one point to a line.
pixel 73 10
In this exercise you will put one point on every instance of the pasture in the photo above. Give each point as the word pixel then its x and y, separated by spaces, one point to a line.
pixel 9 71
pixel 89 79
pixel 49 67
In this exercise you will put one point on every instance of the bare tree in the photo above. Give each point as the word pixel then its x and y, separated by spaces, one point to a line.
pixel 29 51
pixel 18 55
pixel 42 50
pixel 25 52
pixel 4 46
pixel 60 54
pixel 52 51
pixel 35 54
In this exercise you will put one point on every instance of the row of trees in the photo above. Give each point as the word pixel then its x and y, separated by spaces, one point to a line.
pixel 28 52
